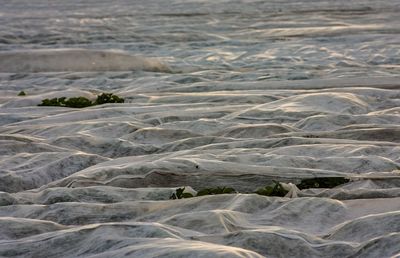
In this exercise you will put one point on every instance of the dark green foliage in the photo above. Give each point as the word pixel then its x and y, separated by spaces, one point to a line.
pixel 275 189
pixel 82 102
pixel 79 102
pixel 51 102
pixel 322 182
pixel 187 195
pixel 22 93
pixel 218 190
pixel 179 194
pixel 108 98
pixel 62 100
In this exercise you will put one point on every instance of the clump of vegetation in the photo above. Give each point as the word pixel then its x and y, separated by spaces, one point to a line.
pixel 82 102
pixel 78 102
pixel 22 93
pixel 180 194
pixel 275 189
pixel 218 190
pixel 53 102
pixel 322 182
pixel 108 98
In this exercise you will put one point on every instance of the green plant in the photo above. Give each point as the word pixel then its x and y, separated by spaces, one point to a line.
pixel 179 194
pixel 108 98
pixel 275 189
pixel 22 93
pixel 50 102
pixel 79 102
pixel 217 190
pixel 82 102
pixel 322 182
